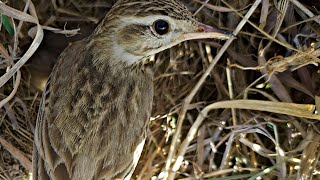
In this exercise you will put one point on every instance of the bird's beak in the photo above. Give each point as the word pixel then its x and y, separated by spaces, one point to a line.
pixel 203 31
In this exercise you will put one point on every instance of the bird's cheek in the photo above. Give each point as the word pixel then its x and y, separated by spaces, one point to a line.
pixel 128 43
pixel 137 49
pixel 134 40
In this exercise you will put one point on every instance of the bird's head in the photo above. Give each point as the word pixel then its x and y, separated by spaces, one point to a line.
pixel 137 29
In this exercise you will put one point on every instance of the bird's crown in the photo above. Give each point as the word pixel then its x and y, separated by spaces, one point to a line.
pixel 138 8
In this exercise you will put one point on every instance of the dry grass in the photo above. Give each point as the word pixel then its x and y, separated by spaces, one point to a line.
pixel 239 109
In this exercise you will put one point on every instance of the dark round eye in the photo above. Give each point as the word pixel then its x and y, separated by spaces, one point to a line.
pixel 161 27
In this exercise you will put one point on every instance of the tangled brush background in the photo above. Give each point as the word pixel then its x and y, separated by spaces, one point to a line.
pixel 240 109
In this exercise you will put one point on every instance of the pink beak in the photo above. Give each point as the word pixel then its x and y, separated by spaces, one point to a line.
pixel 205 28
pixel 204 32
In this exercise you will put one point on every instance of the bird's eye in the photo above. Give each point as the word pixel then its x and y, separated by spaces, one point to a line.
pixel 161 27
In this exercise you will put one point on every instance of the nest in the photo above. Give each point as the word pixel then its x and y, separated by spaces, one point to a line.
pixel 236 109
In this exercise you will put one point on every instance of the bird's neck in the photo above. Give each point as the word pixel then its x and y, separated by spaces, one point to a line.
pixel 107 59
pixel 106 46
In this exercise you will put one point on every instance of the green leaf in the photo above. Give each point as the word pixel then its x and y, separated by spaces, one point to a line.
pixel 7 25
pixel 268 86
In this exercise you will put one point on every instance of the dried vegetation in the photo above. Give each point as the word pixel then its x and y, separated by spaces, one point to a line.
pixel 237 109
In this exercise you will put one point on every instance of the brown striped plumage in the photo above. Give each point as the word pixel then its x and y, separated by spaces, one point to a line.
pixel 95 110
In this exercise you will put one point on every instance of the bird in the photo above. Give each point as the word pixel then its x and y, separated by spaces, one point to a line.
pixel 94 113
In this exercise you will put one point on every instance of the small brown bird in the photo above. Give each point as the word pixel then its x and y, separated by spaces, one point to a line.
pixel 94 114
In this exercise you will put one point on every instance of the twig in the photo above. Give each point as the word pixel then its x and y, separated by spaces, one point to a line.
pixel 14 91
pixel 202 6
pixel 305 10
pixel 17 154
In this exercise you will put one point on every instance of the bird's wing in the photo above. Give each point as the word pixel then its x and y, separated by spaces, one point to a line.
pixel 45 158
pixel 47 163
pixel 52 160
pixel 39 169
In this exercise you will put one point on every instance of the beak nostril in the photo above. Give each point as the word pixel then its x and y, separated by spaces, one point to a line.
pixel 200 29
pixel 209 29
pixel 206 28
